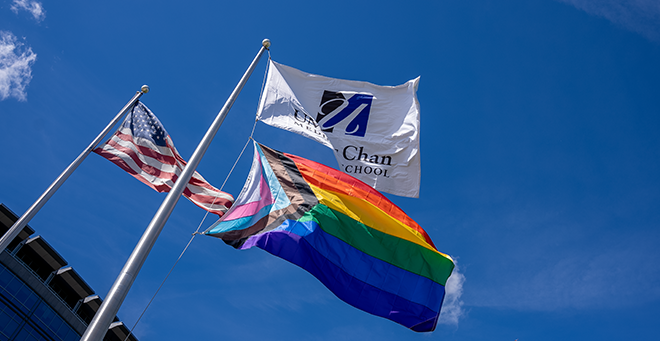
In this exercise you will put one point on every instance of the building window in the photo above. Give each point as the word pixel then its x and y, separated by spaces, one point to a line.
pixel 26 317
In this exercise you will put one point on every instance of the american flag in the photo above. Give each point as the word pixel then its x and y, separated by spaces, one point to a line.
pixel 142 147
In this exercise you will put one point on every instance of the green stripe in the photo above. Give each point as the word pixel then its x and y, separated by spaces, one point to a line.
pixel 396 251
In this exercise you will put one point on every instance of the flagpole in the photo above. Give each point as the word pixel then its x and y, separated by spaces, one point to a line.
pixel 108 310
pixel 18 226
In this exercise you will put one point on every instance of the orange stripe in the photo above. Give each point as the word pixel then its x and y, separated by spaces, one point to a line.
pixel 333 180
pixel 369 215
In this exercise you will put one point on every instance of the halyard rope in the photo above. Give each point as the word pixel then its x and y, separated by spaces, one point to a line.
pixel 207 212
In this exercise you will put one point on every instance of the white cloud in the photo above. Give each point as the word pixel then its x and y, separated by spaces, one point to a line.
pixel 452 308
pixel 15 67
pixel 641 16
pixel 34 7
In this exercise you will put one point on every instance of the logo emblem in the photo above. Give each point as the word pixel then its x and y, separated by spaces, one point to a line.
pixel 344 109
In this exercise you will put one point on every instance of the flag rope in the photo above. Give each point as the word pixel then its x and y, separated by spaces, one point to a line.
pixel 194 234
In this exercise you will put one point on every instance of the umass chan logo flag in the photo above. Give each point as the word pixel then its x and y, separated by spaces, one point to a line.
pixel 374 130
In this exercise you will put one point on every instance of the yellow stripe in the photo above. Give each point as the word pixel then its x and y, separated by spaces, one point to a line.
pixel 370 215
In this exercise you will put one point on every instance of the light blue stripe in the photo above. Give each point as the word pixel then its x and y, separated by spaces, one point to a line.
pixel 240 223
pixel 276 190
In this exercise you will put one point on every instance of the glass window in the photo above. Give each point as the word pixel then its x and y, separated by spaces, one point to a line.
pixel 14 285
pixel 26 296
pixel 29 334
pixel 9 322
pixel 44 323
pixel 52 322
pixel 73 336
pixel 16 291
pixel 5 276
pixel 44 314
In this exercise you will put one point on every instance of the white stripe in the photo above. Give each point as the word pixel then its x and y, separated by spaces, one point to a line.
pixel 195 190
pixel 204 191
pixel 198 193
pixel 215 207
pixel 146 159
pixel 146 143
pixel 163 168
pixel 156 181
pixel 156 164
pixel 199 178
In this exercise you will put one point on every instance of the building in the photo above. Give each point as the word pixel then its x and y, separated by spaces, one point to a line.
pixel 41 296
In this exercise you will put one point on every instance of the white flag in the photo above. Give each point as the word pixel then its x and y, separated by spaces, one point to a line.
pixel 374 130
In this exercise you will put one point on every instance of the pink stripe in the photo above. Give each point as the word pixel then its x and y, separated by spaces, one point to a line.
pixel 249 209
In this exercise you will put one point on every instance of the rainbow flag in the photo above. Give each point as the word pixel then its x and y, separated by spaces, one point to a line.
pixel 360 245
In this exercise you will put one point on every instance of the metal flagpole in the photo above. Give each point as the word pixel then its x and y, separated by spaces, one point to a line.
pixel 108 310
pixel 32 211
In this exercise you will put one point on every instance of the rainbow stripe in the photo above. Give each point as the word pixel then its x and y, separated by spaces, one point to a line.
pixel 360 245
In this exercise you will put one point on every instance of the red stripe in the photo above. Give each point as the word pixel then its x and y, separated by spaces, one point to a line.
pixel 206 199
pixel 125 166
pixel 333 180
pixel 197 178
pixel 207 205
pixel 143 166
pixel 170 145
pixel 201 182
pixel 166 159
pixel 194 190
pixel 203 200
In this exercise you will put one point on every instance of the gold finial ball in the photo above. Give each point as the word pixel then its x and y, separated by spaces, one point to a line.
pixel 266 43
pixel 145 89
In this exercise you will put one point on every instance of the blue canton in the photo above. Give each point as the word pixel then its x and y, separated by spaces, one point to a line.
pixel 143 123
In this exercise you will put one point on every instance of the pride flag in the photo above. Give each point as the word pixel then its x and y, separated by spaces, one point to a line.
pixel 360 245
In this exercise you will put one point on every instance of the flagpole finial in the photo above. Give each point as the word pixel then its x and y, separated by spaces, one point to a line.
pixel 144 89
pixel 266 43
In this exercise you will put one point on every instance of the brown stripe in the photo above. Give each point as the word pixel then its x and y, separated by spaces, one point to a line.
pixel 300 195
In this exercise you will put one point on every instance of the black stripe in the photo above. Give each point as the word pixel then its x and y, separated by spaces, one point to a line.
pixel 300 194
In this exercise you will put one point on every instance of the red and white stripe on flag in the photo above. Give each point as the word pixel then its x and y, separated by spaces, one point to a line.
pixel 158 166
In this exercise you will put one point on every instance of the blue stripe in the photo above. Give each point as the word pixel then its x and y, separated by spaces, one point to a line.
pixel 360 280
pixel 369 269
pixel 221 226
pixel 276 190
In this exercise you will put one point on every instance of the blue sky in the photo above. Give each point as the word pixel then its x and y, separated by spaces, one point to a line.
pixel 539 152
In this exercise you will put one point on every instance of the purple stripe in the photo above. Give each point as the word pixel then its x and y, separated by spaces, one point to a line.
pixel 355 291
